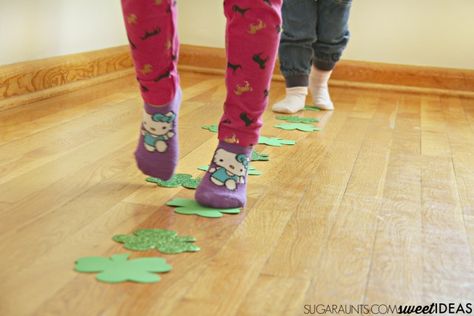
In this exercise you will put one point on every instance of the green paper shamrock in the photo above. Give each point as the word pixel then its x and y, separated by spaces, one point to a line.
pixel 119 269
pixel 256 156
pixel 179 179
pixel 174 182
pixel 211 128
pixel 311 108
pixel 191 183
pixel 191 207
pixel 298 126
pixel 252 170
pixel 297 119
pixel 275 141
pixel 203 168
pixel 165 241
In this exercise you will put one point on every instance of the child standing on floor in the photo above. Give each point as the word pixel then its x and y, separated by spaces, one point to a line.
pixel 315 33
pixel 252 36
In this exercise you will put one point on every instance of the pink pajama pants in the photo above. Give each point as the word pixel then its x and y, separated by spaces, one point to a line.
pixel 252 37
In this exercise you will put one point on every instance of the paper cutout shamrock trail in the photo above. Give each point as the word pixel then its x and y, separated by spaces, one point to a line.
pixel 256 156
pixel 275 141
pixel 298 126
pixel 185 180
pixel 297 119
pixel 119 269
pixel 165 241
pixel 211 128
pixel 312 108
pixel 191 207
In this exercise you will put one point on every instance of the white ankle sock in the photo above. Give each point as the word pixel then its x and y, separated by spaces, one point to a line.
pixel 318 85
pixel 293 102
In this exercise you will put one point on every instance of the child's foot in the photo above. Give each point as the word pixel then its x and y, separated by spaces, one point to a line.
pixel 225 183
pixel 157 151
pixel 293 102
pixel 318 85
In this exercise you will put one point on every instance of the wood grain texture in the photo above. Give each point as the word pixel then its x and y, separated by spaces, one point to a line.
pixel 405 75
pixel 39 95
pixel 39 79
pixel 377 207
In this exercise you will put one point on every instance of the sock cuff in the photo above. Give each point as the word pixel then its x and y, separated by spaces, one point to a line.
pixel 235 148
pixel 316 72
pixel 320 77
pixel 297 90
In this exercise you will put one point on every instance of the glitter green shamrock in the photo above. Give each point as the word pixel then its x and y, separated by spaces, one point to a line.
pixel 191 183
pixel 179 179
pixel 165 241
pixel 118 268
pixel 191 207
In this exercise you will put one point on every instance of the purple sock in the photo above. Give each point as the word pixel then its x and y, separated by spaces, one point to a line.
pixel 157 150
pixel 225 183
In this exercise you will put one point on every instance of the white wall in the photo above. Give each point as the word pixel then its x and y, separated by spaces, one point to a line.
pixel 32 29
pixel 417 32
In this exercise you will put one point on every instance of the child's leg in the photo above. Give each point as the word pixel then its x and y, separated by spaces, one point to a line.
pixel 296 52
pixel 151 30
pixel 333 35
pixel 252 34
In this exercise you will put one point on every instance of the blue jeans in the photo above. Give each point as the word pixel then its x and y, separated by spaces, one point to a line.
pixel 315 32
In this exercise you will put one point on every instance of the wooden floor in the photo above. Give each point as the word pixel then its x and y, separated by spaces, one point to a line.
pixel 378 207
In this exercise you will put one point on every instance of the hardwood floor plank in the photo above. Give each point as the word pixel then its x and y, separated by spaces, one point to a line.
pixel 275 296
pixel 447 261
pixel 324 189
pixel 26 154
pixel 25 120
pixel 344 262
pixel 434 139
pixel 395 275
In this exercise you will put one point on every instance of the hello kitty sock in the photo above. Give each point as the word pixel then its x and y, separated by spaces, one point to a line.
pixel 225 183
pixel 157 151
